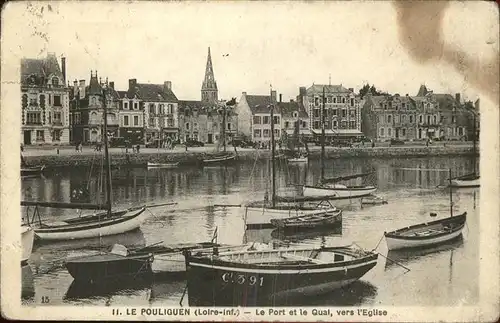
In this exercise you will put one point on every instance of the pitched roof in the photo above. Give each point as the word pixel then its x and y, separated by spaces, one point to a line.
pixel 422 91
pixel 122 94
pixel 41 68
pixel 202 107
pixel 446 101
pixel 318 88
pixel 153 93
pixel 288 108
pixel 259 103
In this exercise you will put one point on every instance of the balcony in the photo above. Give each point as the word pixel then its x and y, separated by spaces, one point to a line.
pixel 57 123
pixel 33 123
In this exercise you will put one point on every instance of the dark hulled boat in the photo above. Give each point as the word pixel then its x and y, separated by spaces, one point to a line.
pixel 309 221
pixel 262 278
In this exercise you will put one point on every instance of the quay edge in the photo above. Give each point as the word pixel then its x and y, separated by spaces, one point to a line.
pixel 195 158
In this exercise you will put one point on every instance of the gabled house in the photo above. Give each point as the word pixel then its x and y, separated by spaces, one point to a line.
pixel 131 118
pixel 44 101
pixel 254 117
pixel 160 107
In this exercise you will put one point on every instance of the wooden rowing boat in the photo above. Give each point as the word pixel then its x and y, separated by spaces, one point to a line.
pixel 309 221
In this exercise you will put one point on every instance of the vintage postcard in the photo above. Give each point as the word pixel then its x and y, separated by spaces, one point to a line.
pixel 250 161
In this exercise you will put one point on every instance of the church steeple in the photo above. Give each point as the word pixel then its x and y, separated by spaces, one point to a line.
pixel 209 92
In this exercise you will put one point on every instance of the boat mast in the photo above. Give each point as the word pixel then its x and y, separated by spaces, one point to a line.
pixel 273 181
pixel 475 143
pixel 323 137
pixel 451 195
pixel 106 152
pixel 224 125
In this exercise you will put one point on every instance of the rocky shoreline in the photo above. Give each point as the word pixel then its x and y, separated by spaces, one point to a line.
pixel 194 158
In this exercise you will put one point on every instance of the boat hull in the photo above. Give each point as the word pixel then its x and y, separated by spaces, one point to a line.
pixel 332 219
pixel 298 160
pixel 218 284
pixel 27 171
pixel 395 241
pixel 159 165
pixel 105 268
pixel 27 238
pixel 337 193
pixel 124 223
pixel 222 159
pixel 260 217
pixel 474 182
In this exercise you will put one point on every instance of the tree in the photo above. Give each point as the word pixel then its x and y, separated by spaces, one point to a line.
pixel 370 89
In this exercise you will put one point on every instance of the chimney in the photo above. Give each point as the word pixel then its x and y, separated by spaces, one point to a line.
pixel 244 93
pixel 112 85
pixel 457 97
pixel 75 87
pixel 63 67
pixel 273 96
pixel 351 89
pixel 281 97
pixel 302 91
pixel 167 85
pixel 132 83
pixel 82 89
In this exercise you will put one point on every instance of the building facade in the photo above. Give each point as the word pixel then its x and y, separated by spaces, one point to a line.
pixel 254 117
pixel 132 116
pixel 386 117
pixel 87 110
pixel 44 101
pixel 160 106
pixel 293 113
pixel 342 108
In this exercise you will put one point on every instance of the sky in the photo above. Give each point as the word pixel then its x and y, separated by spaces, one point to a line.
pixel 280 44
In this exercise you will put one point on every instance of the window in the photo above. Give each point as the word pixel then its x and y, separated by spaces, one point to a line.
pixel 389 118
pixel 389 132
pixel 334 124
pixel 442 119
pixel 382 132
pixel 352 124
pixel 403 105
pixel 257 133
pixel 334 112
pixel 435 119
pixel 33 101
pixel 316 101
pixel 295 114
pixel 329 99
pixel 170 122
pixel 229 126
pixel 33 118
pixel 352 102
pixel 136 120
pixel 428 119
pixel 267 133
pixel 152 109
pixel 125 105
pixel 334 100
pixel 343 100
pixel 195 125
pixel 344 113
pixel 57 118
pixel 381 118
pixel 57 101
pixel 396 118
pixel 453 119
pixel 420 119
pixel 50 118
pixel 403 132
pixel 385 106
pixel 152 122
pixel 403 119
pixel 256 120
pixel 170 108
pixel 460 131
pixel 287 124
pixel 56 135
pixel 327 124
pixel 93 100
pixel 411 119
pixel 187 126
pixel 266 120
pixel 276 133
pixel 353 114
pixel 316 113
pixel 276 119
pixel 316 125
pixel 40 135
pixel 125 120
pixel 162 109
pixel 55 81
pixel 304 124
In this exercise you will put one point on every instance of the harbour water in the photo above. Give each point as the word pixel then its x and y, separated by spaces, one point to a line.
pixel 441 276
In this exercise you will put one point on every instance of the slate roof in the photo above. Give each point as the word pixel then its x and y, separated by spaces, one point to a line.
pixel 422 91
pixel 203 107
pixel 122 94
pixel 259 103
pixel 288 108
pixel 153 93
pixel 318 88
pixel 41 68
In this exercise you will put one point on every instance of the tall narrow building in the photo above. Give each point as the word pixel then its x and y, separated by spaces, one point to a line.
pixel 209 91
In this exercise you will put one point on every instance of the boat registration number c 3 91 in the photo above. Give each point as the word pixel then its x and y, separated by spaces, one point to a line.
pixel 242 279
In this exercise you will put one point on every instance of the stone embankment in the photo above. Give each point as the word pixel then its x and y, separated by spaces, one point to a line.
pixel 193 158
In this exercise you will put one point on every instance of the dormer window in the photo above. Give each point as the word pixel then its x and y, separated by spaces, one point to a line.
pixel 55 81
pixel 295 114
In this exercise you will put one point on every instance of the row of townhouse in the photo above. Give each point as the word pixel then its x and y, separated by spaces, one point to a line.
pixel 426 115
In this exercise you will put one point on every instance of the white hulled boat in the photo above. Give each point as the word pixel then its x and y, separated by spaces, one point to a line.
pixel 27 237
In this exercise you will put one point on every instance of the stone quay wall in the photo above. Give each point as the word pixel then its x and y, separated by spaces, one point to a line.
pixel 194 158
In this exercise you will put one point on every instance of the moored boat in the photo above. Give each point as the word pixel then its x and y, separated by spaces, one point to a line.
pixel 310 221
pixel 34 170
pixel 163 165
pixel 259 278
pixel 299 159
pixel 95 225
pixel 221 158
pixel 27 237
pixel 470 180
pixel 114 265
pixel 373 200
pixel 426 234
pixel 337 191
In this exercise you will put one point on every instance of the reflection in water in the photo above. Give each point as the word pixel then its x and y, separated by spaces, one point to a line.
pixel 411 255
pixel 27 285
pixel 78 290
pixel 412 195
